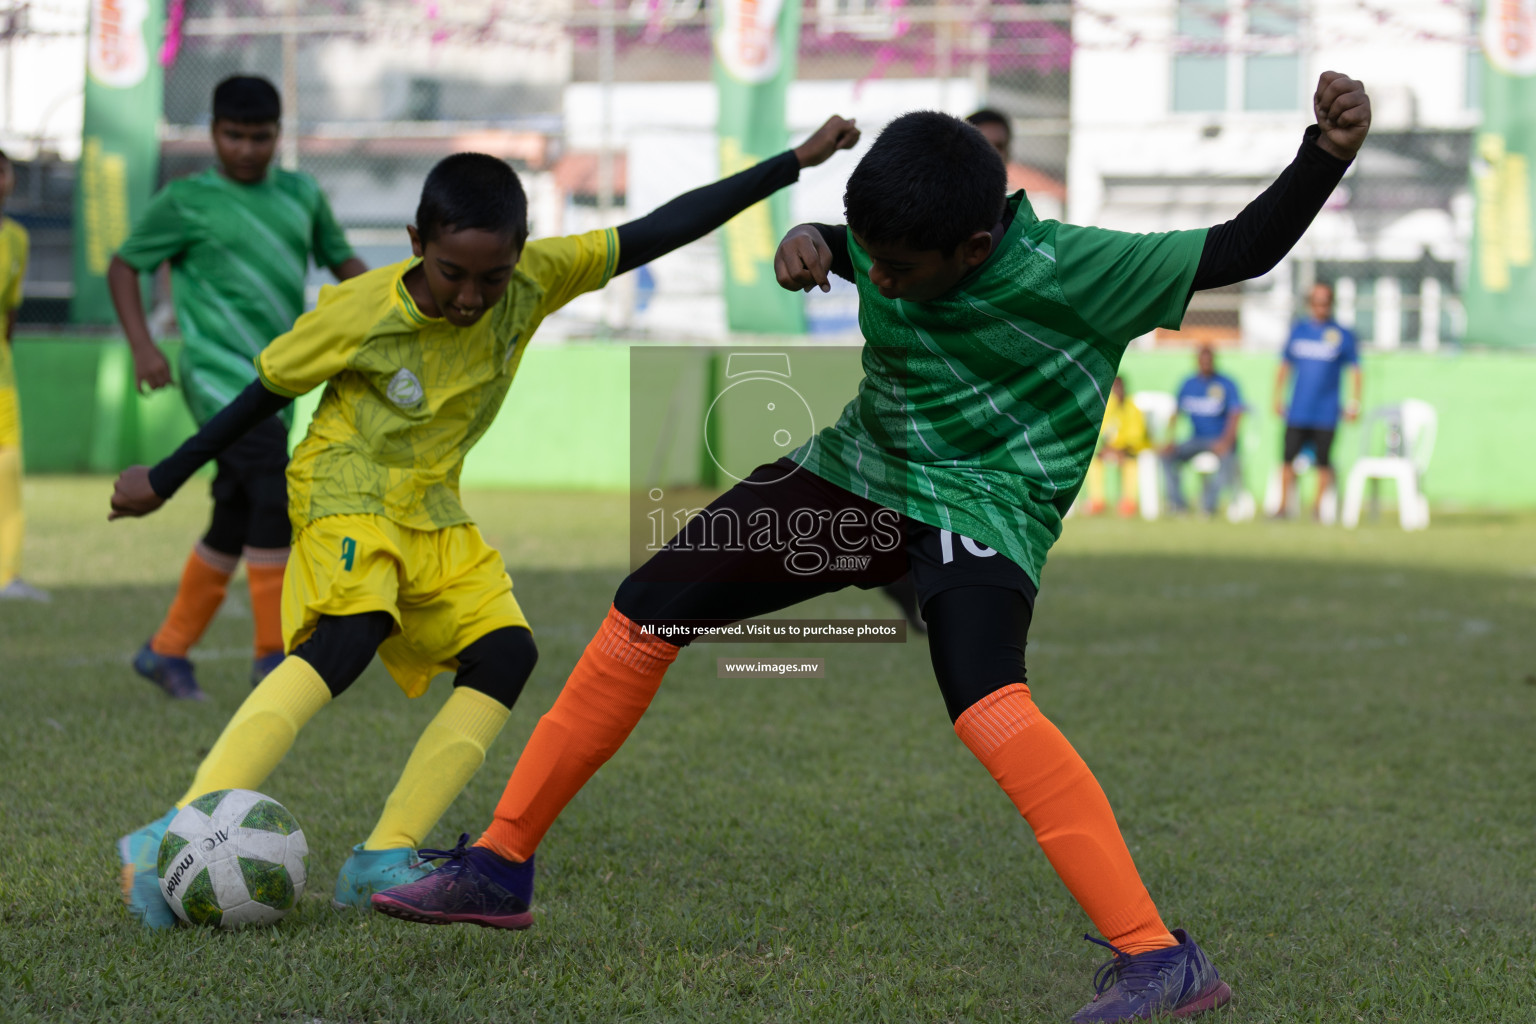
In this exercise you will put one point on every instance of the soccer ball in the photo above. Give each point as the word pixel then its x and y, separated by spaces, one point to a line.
pixel 233 858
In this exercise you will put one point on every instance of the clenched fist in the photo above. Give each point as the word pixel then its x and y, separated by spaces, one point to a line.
pixel 132 495
pixel 803 261
pixel 1343 113
pixel 838 133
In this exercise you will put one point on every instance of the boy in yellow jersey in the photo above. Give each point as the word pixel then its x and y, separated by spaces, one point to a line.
pixel 13 267
pixel 1122 438
pixel 416 358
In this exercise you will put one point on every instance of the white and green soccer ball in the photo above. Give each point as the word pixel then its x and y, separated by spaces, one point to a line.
pixel 233 858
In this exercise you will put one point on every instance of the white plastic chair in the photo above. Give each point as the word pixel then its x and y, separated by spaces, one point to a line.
pixel 1417 422
pixel 1240 507
pixel 1158 409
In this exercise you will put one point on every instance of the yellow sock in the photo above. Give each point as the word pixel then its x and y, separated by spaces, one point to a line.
pixel 11 519
pixel 262 730
pixel 450 751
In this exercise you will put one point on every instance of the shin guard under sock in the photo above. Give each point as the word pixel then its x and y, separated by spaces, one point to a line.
pixel 1052 787
pixel 450 751
pixel 262 731
pixel 608 691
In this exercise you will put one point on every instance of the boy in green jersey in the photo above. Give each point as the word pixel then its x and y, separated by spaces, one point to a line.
pixel 238 238
pixel 992 341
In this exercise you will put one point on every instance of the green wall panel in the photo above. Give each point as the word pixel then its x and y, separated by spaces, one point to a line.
pixel 566 422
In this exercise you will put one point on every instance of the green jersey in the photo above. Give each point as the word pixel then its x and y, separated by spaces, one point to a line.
pixel 979 411
pixel 239 255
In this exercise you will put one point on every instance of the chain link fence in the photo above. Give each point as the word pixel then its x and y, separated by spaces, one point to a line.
pixel 1140 115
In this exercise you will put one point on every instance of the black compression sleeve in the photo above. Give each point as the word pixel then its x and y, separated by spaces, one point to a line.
pixel 229 425
pixel 695 214
pixel 1250 244
pixel 837 240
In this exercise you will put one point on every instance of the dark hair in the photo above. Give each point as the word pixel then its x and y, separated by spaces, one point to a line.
pixel 4 157
pixel 986 115
pixel 930 181
pixel 472 192
pixel 246 99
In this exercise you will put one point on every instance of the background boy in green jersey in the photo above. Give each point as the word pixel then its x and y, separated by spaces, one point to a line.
pixel 416 359
pixel 238 237
pixel 992 339
pixel 13 268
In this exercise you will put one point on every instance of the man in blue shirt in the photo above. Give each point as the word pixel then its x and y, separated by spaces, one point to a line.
pixel 1214 406
pixel 1317 352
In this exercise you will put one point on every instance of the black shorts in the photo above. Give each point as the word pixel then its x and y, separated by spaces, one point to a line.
pixel 1321 440
pixel 250 492
pixel 785 535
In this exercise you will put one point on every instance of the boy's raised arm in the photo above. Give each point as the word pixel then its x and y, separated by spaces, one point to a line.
pixel 1250 244
pixel 695 214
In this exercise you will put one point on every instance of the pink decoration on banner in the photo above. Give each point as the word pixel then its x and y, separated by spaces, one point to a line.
pixel 174 16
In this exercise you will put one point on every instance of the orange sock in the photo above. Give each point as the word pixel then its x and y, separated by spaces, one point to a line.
pixel 608 691
pixel 204 579
pixel 1052 787
pixel 264 573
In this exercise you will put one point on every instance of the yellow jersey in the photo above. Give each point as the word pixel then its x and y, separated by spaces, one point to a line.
pixel 1124 427
pixel 407 395
pixel 13 268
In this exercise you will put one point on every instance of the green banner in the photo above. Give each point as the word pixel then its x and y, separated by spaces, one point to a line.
pixel 1501 292
pixel 120 144
pixel 756 42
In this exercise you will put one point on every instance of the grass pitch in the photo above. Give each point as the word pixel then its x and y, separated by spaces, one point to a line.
pixel 1319 745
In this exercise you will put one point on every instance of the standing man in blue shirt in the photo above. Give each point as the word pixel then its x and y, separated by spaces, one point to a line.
pixel 1317 351
pixel 1214 407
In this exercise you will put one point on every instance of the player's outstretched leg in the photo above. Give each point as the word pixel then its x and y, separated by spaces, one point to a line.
pixel 492 671
pixel 256 738
pixel 977 645
pixel 1154 971
pixel 608 691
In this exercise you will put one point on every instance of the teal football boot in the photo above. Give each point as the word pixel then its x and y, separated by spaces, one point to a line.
pixel 140 854
pixel 369 871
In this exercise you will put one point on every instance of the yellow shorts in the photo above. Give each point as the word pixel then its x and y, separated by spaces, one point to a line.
pixel 445 589
pixel 10 418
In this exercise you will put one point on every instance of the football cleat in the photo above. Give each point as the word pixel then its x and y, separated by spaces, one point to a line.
pixel 1179 981
pixel 171 674
pixel 475 886
pixel 263 666
pixel 369 871
pixel 140 879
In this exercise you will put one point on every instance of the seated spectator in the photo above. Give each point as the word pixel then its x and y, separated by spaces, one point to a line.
pixel 1214 407
pixel 1318 350
pixel 1122 438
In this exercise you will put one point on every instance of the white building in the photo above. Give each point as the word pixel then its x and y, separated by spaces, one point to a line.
pixel 1184 110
